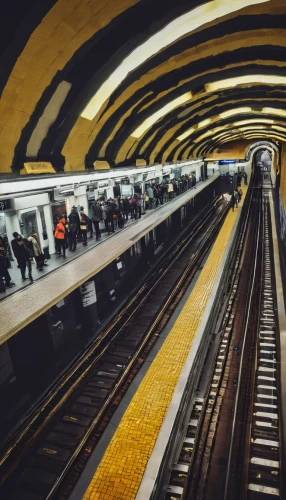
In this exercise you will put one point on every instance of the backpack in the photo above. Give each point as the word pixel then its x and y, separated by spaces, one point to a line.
pixel 107 209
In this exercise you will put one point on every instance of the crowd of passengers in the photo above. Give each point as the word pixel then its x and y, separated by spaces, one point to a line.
pixel 77 226
pixel 114 212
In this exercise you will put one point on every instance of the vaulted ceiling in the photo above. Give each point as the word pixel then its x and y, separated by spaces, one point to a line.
pixel 117 80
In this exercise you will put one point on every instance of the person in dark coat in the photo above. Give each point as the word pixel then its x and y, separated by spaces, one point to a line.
pixel 22 252
pixel 96 218
pixel 233 202
pixel 126 207
pixel 84 226
pixel 74 223
pixel 108 212
pixel 4 264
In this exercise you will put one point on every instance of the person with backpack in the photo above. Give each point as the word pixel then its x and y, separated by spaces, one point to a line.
pixel 23 253
pixel 108 213
pixel 60 236
pixel 74 224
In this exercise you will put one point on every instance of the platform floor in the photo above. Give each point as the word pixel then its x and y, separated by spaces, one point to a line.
pixel 57 261
pixel 37 298
pixel 122 467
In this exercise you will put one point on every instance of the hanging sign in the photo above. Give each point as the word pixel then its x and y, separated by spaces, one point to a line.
pixel 36 167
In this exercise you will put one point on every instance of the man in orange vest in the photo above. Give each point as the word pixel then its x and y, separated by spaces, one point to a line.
pixel 60 236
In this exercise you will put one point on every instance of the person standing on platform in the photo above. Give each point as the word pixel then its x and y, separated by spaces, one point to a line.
pixel 150 193
pixel 37 251
pixel 237 198
pixel 84 227
pixel 4 264
pixel 74 224
pixel 60 234
pixel 96 218
pixel 134 208
pixel 170 190
pixel 245 178
pixel 108 217
pixel 20 247
pixel 232 202
pixel 126 207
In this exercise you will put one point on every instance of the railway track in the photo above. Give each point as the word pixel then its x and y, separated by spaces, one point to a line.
pixel 233 444
pixel 202 429
pixel 45 454
pixel 264 453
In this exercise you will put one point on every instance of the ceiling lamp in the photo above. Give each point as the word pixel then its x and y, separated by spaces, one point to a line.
pixel 173 31
pixel 162 112
pixel 253 120
pixel 274 111
pixel 245 80
pixel 233 112
pixel 204 123
pixel 185 134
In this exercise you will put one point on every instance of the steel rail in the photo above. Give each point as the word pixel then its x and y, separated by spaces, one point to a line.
pixel 250 298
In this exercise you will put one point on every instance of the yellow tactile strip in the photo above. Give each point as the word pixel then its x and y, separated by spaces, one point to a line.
pixel 120 472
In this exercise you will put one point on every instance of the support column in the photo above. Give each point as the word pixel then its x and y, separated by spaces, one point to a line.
pixel 49 228
pixel 81 197
pixel 12 224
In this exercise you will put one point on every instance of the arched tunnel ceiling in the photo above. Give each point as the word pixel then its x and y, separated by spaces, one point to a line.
pixel 117 80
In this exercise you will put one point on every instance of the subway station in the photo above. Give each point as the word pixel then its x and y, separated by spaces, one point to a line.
pixel 143 250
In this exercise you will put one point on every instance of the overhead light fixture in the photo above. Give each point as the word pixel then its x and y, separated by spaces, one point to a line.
pixel 253 120
pixel 179 27
pixel 162 112
pixel 204 123
pixel 185 134
pixel 274 111
pixel 282 129
pixel 233 112
pixel 245 80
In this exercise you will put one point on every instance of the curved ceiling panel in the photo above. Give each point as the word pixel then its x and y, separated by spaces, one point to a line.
pixel 119 80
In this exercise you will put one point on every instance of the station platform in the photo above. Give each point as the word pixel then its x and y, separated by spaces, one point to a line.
pixel 37 298
pixel 133 455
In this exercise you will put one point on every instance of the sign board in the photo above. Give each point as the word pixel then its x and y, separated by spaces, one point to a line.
pixel 36 167
pixel 227 162
pixel 88 293
pixel 140 162
pixel 101 165
pixel 5 205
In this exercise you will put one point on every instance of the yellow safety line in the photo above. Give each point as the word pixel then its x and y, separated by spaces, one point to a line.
pixel 120 472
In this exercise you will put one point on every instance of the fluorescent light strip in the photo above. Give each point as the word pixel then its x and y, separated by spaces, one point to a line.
pixel 233 112
pixel 274 111
pixel 254 120
pixel 282 129
pixel 163 111
pixel 229 126
pixel 245 80
pixel 181 26
pixel 255 135
pixel 264 134
pixel 185 134
pixel 204 123
pixel 238 132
